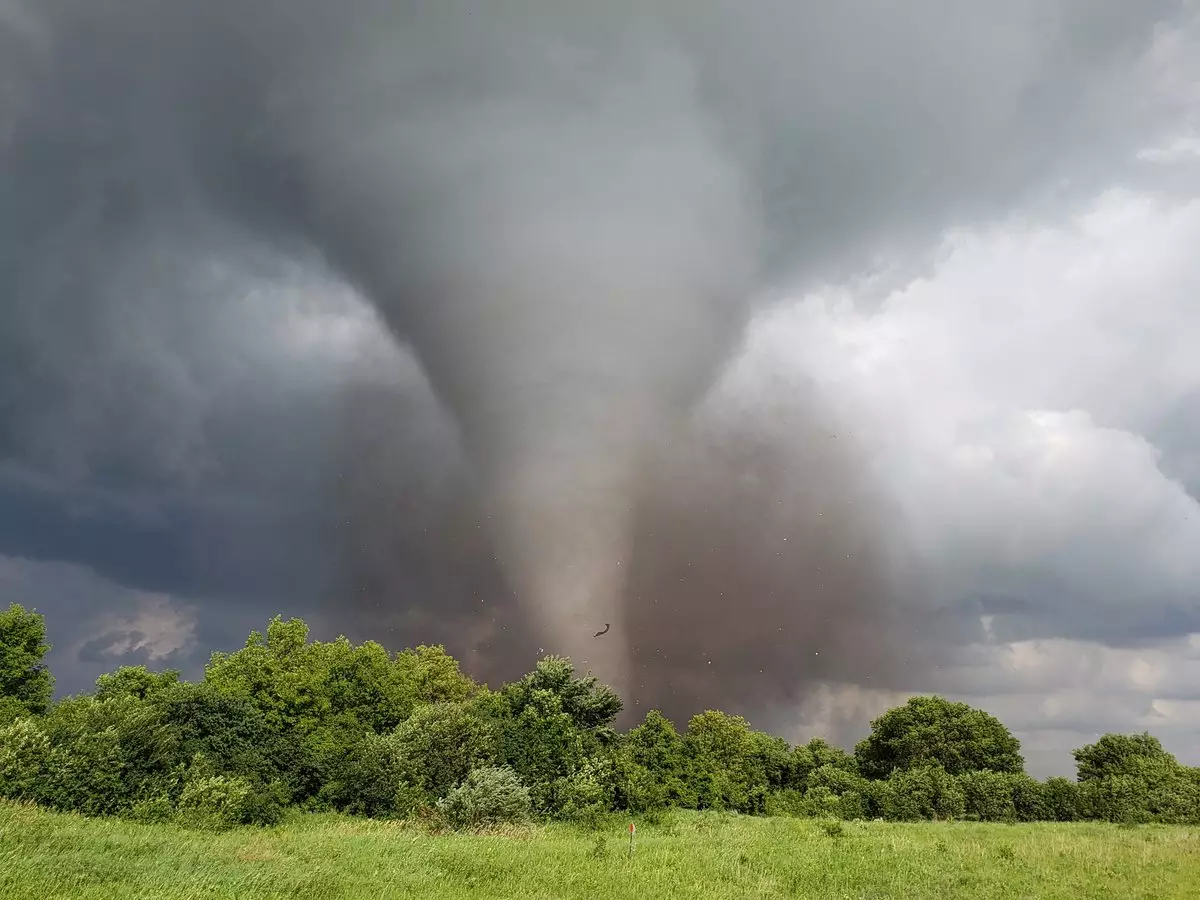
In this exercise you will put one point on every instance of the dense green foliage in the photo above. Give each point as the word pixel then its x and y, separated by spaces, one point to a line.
pixel 288 722
pixel 934 731
pixel 25 683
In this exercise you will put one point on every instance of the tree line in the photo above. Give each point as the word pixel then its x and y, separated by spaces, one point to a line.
pixel 290 723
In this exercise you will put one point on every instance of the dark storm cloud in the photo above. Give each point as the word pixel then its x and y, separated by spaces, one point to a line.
pixel 566 212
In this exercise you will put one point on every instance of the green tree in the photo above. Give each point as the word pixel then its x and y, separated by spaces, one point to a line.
pixel 428 674
pixel 135 681
pixel 1118 754
pixel 300 684
pixel 236 739
pixel 834 791
pixel 1063 800
pixel 653 766
pixel 934 731
pixel 732 764
pixel 280 673
pixel 590 704
pixel 1131 778
pixel 380 690
pixel 543 744
pixel 818 752
pixel 26 685
pixel 1006 797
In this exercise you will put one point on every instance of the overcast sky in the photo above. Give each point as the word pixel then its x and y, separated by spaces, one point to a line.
pixel 978 237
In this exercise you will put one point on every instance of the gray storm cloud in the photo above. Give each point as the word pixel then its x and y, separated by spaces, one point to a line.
pixel 566 212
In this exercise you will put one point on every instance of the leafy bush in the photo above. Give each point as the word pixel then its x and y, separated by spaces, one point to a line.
pixel 1031 799
pixel 24 758
pixel 489 796
pixel 436 747
pixel 214 802
pixel 988 796
pixel 364 775
pixel 928 792
pixel 234 736
pixel 832 827
pixel 1116 798
pixel 587 794
pixel 152 811
pixel 106 755
pixel 1063 800
pixel 787 802
pixel 12 709
pixel 833 791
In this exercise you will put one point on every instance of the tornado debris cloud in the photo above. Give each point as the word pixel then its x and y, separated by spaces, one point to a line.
pixel 562 217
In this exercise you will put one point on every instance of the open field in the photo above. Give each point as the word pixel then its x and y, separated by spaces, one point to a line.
pixel 693 855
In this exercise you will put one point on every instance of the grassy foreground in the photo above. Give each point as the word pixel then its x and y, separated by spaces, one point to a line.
pixel 694 855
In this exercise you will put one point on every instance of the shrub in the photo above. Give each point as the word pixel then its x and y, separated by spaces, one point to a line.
pixel 787 802
pixel 928 792
pixel 1116 798
pixel 834 791
pixel 489 796
pixel 233 734
pixel 832 827
pixel 365 775
pixel 106 755
pixel 439 745
pixel 1063 800
pixel 214 802
pixel 1031 799
pixel 587 794
pixel 24 756
pixel 152 810
pixel 988 796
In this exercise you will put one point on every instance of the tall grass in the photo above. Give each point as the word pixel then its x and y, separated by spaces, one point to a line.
pixel 45 856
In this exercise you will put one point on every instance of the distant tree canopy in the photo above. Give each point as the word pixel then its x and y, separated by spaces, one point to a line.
pixel 26 685
pixel 932 730
pixel 286 721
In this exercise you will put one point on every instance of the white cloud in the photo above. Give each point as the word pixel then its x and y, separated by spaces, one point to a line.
pixel 155 626
pixel 1012 401
pixel 95 625
pixel 1021 405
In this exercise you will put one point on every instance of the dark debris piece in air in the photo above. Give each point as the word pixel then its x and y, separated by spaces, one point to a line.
pixel 605 631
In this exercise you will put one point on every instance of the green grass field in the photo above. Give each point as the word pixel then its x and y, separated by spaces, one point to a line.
pixel 693 855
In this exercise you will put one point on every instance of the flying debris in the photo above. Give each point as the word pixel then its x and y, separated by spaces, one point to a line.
pixel 605 631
